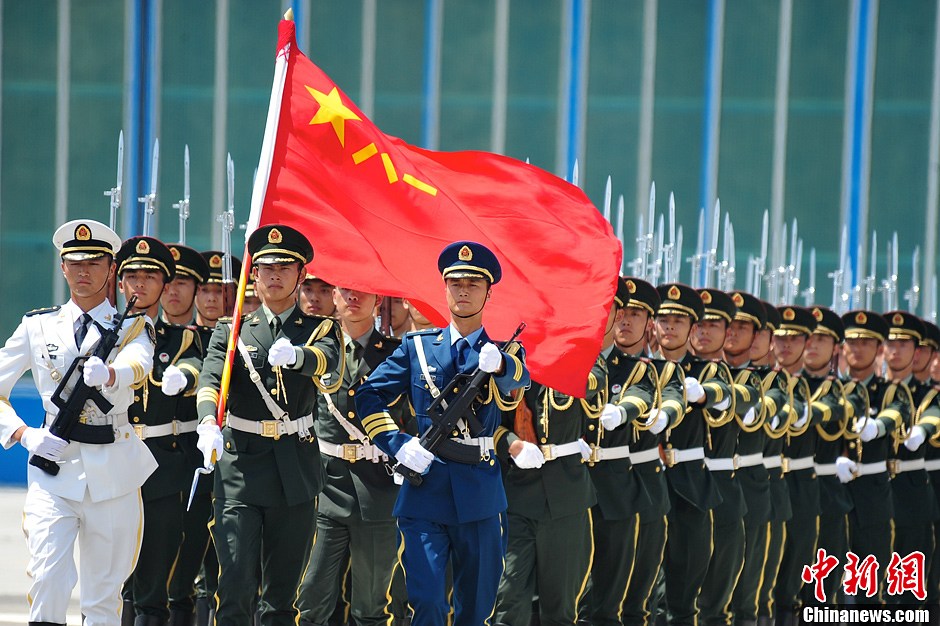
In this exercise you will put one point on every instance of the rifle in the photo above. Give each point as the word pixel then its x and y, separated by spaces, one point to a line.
pixel 71 407
pixel 445 415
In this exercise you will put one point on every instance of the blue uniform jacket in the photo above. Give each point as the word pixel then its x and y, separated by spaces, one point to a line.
pixel 452 493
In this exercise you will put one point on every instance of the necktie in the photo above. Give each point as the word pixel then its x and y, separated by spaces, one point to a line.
pixel 82 329
pixel 463 352
pixel 276 326
pixel 353 359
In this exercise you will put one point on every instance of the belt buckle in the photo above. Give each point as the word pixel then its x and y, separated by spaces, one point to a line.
pixel 548 452
pixel 669 457
pixel 176 427
pixel 139 431
pixel 595 454
pixel 784 464
pixel 736 462
pixel 894 467
pixel 269 429
pixel 350 453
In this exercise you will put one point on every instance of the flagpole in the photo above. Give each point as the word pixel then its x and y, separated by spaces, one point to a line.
pixel 254 217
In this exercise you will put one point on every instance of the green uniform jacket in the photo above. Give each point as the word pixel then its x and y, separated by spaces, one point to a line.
pixel 363 489
pixel 262 470
pixel 914 502
pixel 561 487
pixel 834 498
pixel 780 509
pixel 186 411
pixel 180 346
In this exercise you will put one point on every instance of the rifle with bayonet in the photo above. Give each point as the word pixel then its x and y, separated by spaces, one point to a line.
pixel 150 200
pixel 183 205
pixel 114 202
pixel 227 220
pixel 913 294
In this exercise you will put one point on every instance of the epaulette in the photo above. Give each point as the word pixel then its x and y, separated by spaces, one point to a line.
pixel 48 309
pixel 426 331
pixel 227 319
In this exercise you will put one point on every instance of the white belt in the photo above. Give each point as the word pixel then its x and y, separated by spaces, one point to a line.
pixel 825 469
pixel 553 451
pixel 645 456
pixel 274 429
pixel 932 465
pixel 352 452
pixel 802 463
pixel 909 465
pixel 683 456
pixel 116 419
pixel 722 464
pixel 771 462
pixel 485 444
pixel 173 428
pixel 607 454
pixel 751 460
pixel 866 469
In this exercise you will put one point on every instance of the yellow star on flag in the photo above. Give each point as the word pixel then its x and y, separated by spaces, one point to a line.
pixel 332 111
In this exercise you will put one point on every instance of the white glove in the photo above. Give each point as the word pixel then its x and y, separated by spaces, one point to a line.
pixel 530 457
pixel 414 456
pixel 916 438
pixel 693 390
pixel 724 404
pixel 41 442
pixel 585 450
pixel 867 432
pixel 775 423
pixel 491 359
pixel 802 421
pixel 209 443
pixel 95 372
pixel 845 469
pixel 657 421
pixel 611 417
pixel 174 380
pixel 282 353
pixel 750 417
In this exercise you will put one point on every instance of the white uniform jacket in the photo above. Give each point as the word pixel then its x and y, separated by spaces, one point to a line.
pixel 45 342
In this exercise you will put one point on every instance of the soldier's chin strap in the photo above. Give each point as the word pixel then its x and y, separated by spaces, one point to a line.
pixel 463 317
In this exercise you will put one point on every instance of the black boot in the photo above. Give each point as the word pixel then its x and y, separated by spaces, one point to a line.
pixel 149 620
pixel 786 618
pixel 127 613
pixel 181 618
pixel 202 612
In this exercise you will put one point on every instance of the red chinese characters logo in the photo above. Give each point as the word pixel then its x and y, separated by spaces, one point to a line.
pixel 906 574
pixel 860 574
pixel 818 571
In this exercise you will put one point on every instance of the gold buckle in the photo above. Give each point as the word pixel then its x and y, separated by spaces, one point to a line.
pixel 350 452
pixel 669 457
pixel 139 430
pixel 784 464
pixel 894 467
pixel 547 452
pixel 269 429
pixel 176 427
pixel 595 454
pixel 736 462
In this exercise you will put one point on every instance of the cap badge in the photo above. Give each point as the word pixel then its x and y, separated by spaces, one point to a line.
pixel 143 247
pixel 817 315
pixel 215 261
pixel 738 299
pixel 82 233
pixel 631 286
pixel 706 297
pixel 897 319
pixel 673 293
pixel 789 314
pixel 861 318
pixel 465 254
pixel 175 253
pixel 275 236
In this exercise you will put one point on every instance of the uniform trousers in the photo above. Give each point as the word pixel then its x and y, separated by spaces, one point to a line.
pixel 688 550
pixel 647 563
pixel 475 550
pixel 834 538
pixel 552 556
pixel 108 535
pixel 776 538
pixel 744 600
pixel 182 588
pixel 724 569
pixel 907 539
pixel 933 572
pixel 614 546
pixel 147 585
pixel 277 537
pixel 372 557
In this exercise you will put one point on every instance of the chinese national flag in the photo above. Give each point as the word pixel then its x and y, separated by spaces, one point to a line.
pixel 379 211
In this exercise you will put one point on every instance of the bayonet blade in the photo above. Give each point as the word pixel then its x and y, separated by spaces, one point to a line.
pixel 607 200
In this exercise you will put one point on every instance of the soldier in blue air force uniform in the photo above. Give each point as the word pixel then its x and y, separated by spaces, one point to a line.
pixel 458 513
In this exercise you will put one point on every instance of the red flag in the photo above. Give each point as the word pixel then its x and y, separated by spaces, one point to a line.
pixel 379 211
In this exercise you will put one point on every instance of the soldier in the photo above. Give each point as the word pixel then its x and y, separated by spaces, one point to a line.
pixel 400 321
pixel 692 490
pixel 315 296
pixel 924 357
pixel 268 472
pixel 94 498
pixel 457 514
pixel 145 266
pixel 418 320
pixel 211 295
pixel 354 515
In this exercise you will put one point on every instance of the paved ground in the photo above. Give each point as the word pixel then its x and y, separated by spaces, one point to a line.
pixel 14 583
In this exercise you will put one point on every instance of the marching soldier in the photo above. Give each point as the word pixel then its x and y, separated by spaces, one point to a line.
pixel 213 295
pixel 145 266
pixel 456 514
pixel 268 472
pixel 315 296
pixel 354 514
pixel 94 496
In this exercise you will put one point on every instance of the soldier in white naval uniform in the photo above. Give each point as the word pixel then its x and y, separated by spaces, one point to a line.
pixel 95 496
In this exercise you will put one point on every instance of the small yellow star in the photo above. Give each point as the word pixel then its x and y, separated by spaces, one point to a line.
pixel 332 111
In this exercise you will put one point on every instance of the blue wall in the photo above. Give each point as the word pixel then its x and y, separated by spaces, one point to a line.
pixel 25 399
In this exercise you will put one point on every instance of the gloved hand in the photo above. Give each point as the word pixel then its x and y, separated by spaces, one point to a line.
pixel 529 457
pixel 801 422
pixel 491 359
pixel 750 417
pixel 41 442
pixel 775 423
pixel 915 438
pixel 657 421
pixel 693 389
pixel 611 417
pixel 585 450
pixel 209 443
pixel 724 404
pixel 281 353
pixel 414 456
pixel 867 432
pixel 174 380
pixel 95 372
pixel 845 469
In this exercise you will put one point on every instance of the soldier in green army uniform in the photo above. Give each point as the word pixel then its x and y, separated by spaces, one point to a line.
pixel 549 543
pixel 268 472
pixel 692 489
pixel 652 388
pixel 819 363
pixel 315 295
pixel 922 386
pixel 871 522
pixel 915 507
pixel 778 380
pixel 354 514
pixel 144 267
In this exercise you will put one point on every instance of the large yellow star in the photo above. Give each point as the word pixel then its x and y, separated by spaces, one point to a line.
pixel 332 111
